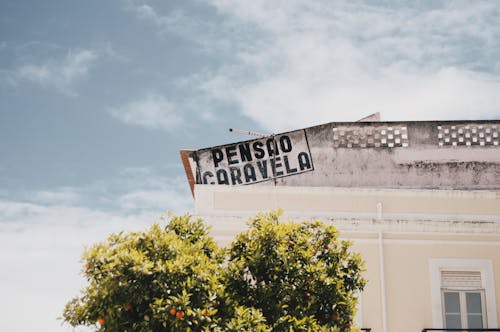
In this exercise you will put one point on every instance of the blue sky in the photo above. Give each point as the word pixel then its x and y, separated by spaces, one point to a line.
pixel 97 98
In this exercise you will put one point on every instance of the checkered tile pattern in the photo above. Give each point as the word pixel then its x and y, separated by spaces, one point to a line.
pixel 370 137
pixel 468 135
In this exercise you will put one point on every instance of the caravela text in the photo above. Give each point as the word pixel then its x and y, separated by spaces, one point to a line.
pixel 256 161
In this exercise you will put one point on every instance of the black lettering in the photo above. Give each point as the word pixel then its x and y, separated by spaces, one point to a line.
pixel 285 143
pixel 222 177
pixel 259 151
pixel 217 156
pixel 287 166
pixel 272 147
pixel 304 162
pixel 235 175
pixel 245 152
pixel 275 164
pixel 206 175
pixel 262 165
pixel 249 173
pixel 230 153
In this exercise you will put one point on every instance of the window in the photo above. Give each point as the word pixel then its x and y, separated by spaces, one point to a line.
pixel 462 293
pixel 463 299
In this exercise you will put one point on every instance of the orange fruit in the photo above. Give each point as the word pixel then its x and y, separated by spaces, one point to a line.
pixel 179 314
pixel 101 320
pixel 127 306
pixel 173 311
pixel 335 316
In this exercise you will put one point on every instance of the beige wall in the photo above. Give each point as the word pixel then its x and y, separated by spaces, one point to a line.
pixel 407 277
pixel 402 204
pixel 416 226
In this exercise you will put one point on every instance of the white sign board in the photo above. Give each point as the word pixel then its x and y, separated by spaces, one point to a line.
pixel 255 161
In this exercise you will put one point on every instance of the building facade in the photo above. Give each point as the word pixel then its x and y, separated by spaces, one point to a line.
pixel 420 200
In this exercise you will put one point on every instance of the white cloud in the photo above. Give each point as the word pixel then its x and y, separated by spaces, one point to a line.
pixel 152 111
pixel 40 248
pixel 328 61
pixel 109 51
pixel 61 73
pixel 153 199
pixel 175 21
pixel 41 242
pixel 157 193
pixel 59 196
pixel 205 34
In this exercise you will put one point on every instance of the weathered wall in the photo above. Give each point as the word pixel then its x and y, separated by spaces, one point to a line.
pixel 426 155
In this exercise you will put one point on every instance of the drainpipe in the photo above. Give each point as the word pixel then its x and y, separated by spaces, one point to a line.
pixel 382 280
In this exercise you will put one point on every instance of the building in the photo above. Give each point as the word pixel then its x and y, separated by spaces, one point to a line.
pixel 420 200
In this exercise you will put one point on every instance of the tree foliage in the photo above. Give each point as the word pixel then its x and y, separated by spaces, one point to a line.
pixel 275 276
pixel 297 274
pixel 164 278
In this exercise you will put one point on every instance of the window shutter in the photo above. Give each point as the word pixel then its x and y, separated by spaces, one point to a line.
pixel 461 280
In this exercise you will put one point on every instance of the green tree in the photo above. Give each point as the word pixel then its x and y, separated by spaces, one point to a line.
pixel 275 277
pixel 160 279
pixel 297 274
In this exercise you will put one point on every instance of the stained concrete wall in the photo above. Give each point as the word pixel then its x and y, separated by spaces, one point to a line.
pixel 425 155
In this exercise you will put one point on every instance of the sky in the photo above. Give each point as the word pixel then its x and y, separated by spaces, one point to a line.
pixel 98 97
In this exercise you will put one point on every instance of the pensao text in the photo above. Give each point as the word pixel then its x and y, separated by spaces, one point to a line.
pixel 255 161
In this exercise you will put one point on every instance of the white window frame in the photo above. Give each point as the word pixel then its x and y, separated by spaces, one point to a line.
pixel 484 266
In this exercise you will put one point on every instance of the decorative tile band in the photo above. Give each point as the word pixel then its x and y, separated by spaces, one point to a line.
pixel 468 135
pixel 370 137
